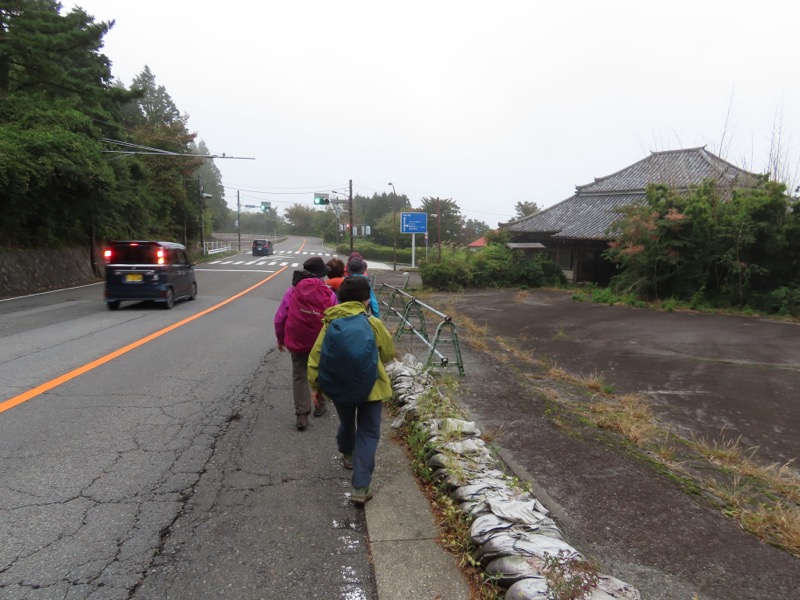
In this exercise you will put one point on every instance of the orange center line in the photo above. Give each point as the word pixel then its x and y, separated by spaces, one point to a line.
pixel 49 385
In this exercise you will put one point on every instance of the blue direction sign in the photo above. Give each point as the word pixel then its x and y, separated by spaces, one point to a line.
pixel 413 222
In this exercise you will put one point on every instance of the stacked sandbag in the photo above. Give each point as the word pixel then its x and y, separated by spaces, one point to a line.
pixel 409 380
pixel 514 536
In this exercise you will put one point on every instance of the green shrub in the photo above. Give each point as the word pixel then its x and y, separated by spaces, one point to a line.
pixel 604 296
pixel 378 253
pixel 529 273
pixel 670 304
pixel 450 275
pixel 553 275
pixel 492 266
pixel 784 301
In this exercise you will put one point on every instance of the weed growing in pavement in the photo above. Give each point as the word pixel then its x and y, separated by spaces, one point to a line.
pixel 594 382
pixel 664 448
pixel 437 405
pixel 559 373
pixel 767 504
pixel 416 438
pixel 569 577
pixel 779 525
pixel 455 534
pixel 519 297
pixel 723 452
pixel 476 334
pixel 629 415
pixel 491 435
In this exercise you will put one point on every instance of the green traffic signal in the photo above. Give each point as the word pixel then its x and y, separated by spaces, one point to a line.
pixel 321 198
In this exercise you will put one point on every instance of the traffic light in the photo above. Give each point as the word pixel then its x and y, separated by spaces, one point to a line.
pixel 321 198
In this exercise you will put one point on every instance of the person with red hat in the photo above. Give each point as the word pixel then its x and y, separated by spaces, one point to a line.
pixel 351 257
pixel 297 325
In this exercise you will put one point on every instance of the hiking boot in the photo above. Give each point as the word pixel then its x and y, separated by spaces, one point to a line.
pixel 360 495
pixel 302 422
pixel 321 409
pixel 347 461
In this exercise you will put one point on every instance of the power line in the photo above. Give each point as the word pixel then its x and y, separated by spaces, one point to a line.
pixel 315 188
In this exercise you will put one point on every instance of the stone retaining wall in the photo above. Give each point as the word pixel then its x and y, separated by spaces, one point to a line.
pixel 31 271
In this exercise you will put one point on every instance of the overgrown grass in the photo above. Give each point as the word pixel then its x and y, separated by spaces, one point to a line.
pixel 765 500
pixel 470 331
pixel 629 415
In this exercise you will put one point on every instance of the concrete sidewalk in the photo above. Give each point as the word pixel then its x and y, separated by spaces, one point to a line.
pixel 408 561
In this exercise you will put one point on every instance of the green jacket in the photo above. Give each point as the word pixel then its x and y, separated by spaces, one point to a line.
pixel 383 340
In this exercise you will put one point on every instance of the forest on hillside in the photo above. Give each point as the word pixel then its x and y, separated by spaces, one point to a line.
pixel 70 137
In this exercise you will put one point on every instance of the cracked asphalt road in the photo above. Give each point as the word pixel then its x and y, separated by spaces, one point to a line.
pixel 175 471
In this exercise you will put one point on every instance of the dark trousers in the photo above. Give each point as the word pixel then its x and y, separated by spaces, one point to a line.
pixel 359 433
pixel 300 388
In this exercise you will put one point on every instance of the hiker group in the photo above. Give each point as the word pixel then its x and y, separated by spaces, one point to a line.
pixel 329 321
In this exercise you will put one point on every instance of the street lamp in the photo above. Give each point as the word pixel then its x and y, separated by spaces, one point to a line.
pixel 394 225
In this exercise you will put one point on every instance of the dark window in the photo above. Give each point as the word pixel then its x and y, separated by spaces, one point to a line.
pixel 133 255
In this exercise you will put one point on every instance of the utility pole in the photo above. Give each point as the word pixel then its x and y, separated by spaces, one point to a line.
pixel 394 225
pixel 350 205
pixel 202 221
pixel 239 220
pixel 439 224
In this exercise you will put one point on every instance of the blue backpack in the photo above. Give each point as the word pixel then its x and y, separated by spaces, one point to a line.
pixel 348 363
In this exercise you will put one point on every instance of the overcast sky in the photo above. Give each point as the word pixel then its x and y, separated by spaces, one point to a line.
pixel 486 102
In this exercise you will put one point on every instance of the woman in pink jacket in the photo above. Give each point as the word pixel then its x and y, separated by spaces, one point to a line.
pixel 297 325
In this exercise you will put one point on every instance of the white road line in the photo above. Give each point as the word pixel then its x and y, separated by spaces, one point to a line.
pixel 237 270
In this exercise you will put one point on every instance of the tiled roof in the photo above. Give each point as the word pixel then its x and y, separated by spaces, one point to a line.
pixel 588 214
pixel 585 216
pixel 677 169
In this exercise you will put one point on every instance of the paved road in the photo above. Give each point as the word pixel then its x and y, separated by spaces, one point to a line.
pixel 731 376
pixel 173 469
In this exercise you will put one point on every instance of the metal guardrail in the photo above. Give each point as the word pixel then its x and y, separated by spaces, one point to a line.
pixel 215 248
pixel 413 308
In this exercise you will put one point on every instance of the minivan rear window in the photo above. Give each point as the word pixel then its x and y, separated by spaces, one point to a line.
pixel 133 255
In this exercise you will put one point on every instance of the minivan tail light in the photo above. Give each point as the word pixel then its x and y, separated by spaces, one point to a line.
pixel 107 254
pixel 160 257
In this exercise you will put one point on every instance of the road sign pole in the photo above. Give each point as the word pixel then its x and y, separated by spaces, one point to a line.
pixel 413 250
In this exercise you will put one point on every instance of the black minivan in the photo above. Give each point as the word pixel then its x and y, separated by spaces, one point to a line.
pixel 147 270
pixel 262 247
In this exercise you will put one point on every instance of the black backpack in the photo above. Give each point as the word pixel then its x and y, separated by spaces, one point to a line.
pixel 348 363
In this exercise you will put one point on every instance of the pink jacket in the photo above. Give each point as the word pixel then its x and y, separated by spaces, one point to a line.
pixel 299 317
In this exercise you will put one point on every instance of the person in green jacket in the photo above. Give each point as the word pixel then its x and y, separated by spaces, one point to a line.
pixel 360 424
